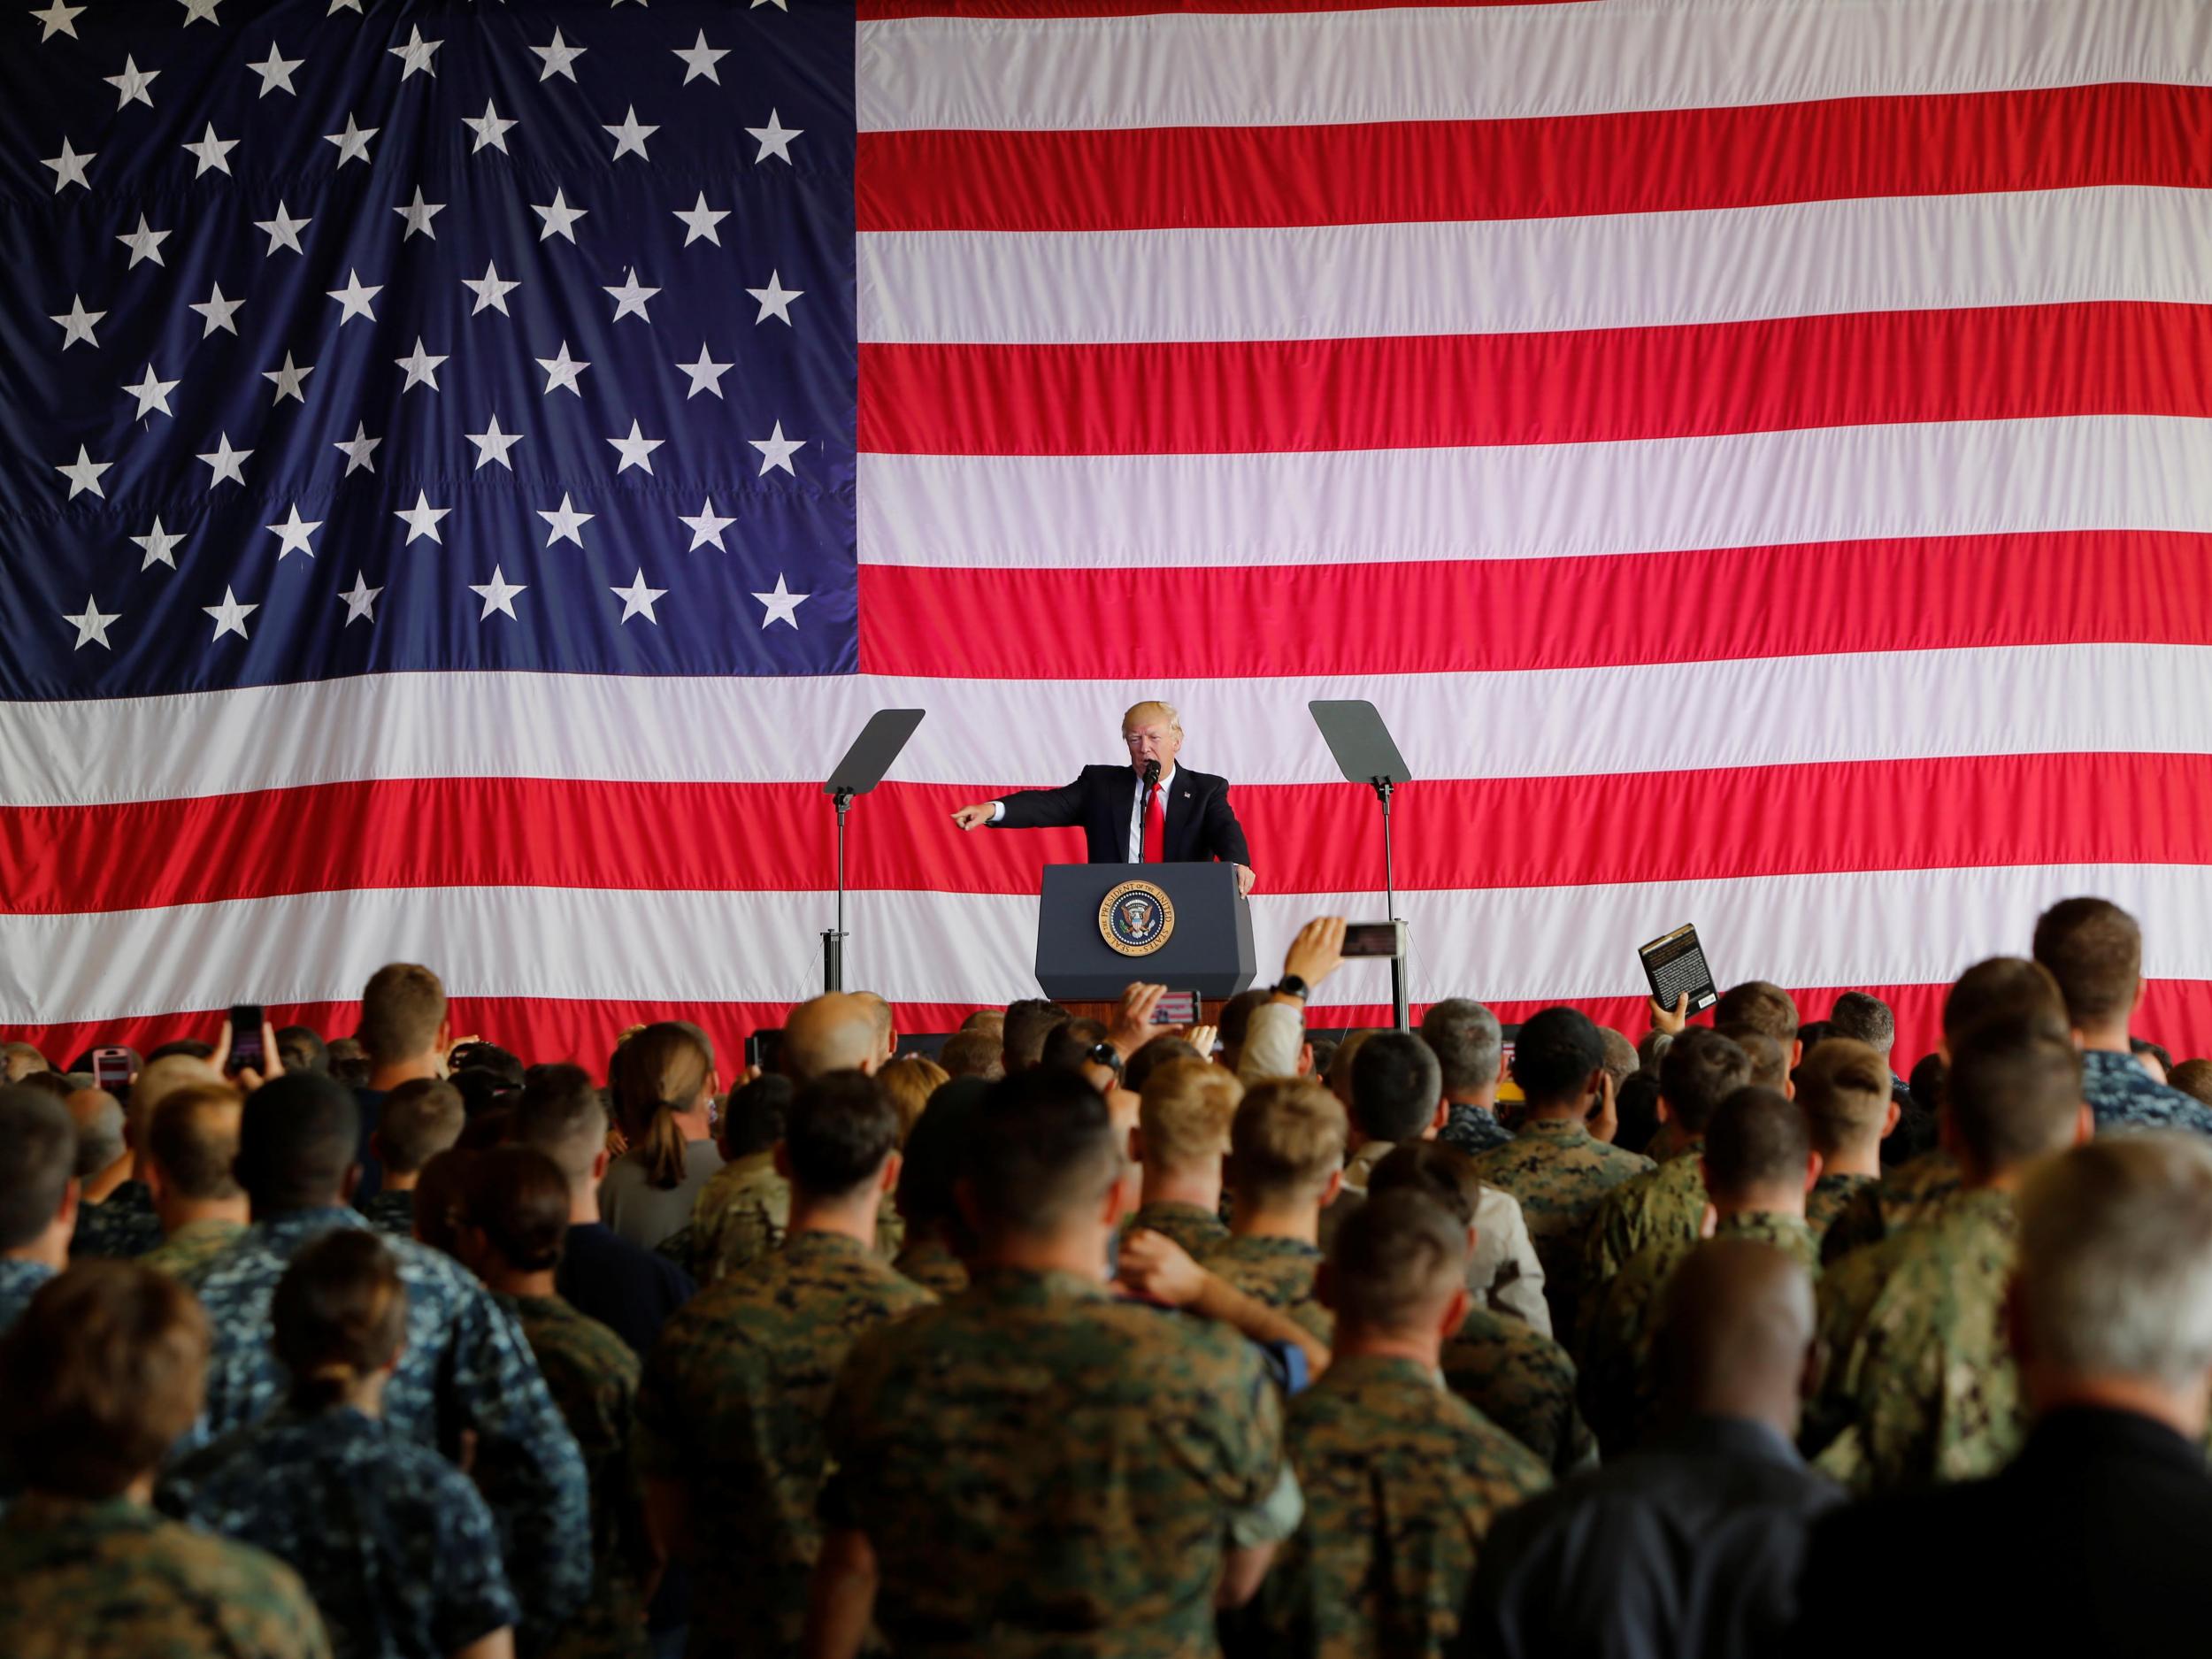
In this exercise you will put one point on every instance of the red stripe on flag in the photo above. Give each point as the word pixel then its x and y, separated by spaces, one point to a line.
pixel 1498 615
pixel 1539 168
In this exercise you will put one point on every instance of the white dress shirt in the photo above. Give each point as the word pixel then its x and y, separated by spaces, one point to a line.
pixel 1136 814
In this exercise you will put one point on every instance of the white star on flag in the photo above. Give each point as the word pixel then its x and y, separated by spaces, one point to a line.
pixel 353 144
pixel 201 11
pixel 631 298
pixel 293 533
pixel 489 290
pixel 421 519
pixel 92 625
pixel 497 594
pixel 76 323
pixel 288 381
pixel 775 299
pixel 779 4
pixel 559 217
pixel 159 545
pixel 563 523
pixel 224 460
pixel 218 311
pixel 83 473
pixel 422 368
pixel 59 19
pixel 354 298
pixel 209 150
pixel 276 72
pixel 492 444
pixel 637 599
pixel 359 449
pixel 489 129
pixel 706 374
pixel 418 215
pixel 700 220
pixel 152 394
pixel 777 450
pixel 131 83
pixel 360 602
pixel 775 139
pixel 69 166
pixel 700 59
pixel 560 57
pixel 283 231
pixel 706 525
pixel 561 372
pixel 145 243
pixel 636 450
pixel 230 616
pixel 416 55
pixel 783 605
pixel 629 137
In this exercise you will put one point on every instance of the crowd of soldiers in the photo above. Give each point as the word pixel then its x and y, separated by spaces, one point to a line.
pixel 1103 1340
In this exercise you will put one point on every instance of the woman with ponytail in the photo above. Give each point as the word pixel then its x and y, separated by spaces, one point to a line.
pixel 665 1083
pixel 396 1546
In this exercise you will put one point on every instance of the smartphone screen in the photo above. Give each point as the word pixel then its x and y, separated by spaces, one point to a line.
pixel 1374 939
pixel 112 1069
pixel 1177 1008
pixel 245 1038
pixel 1675 965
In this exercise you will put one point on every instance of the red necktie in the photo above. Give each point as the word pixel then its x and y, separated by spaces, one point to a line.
pixel 1154 828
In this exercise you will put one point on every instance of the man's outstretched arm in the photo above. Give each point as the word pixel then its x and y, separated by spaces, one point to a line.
pixel 1027 809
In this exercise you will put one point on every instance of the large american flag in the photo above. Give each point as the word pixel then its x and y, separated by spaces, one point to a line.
pixel 466 470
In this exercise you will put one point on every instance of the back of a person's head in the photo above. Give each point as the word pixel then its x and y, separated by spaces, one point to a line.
pixel 1761 1006
pixel 560 1113
pixel 1339 1075
pixel 302 1048
pixel 338 1315
pixel 1864 1019
pixel 1756 1146
pixel 1396 1085
pixel 1153 1054
pixel 974 1054
pixel 2094 950
pixel 1286 1140
pixel 908 1083
pixel 1468 1042
pixel 490 1058
pixel 2192 1078
pixel 192 1140
pixel 936 1152
pixel 657 1077
pixel 99 1117
pixel 1043 1155
pixel 1769 1060
pixel 753 1116
pixel 1621 1059
pixel 1029 1021
pixel 162 1078
pixel 102 1372
pixel 421 1118
pixel 442 1198
pixel 348 1061
pixel 1395 1264
pixel 1734 1331
pixel 2012 1092
pixel 836 1031
pixel 1068 1045
pixel 297 1137
pixel 1844 1089
pixel 1235 1024
pixel 1434 1167
pixel 991 1021
pixel 182 1048
pixel 19 1060
pixel 517 1198
pixel 1555 1054
pixel 402 1008
pixel 38 1160
pixel 1702 1069
pixel 2115 1274
pixel 840 1129
pixel 2003 987
pixel 1184 1115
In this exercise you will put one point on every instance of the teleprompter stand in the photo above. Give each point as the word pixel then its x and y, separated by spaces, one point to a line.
pixel 1365 754
pixel 862 770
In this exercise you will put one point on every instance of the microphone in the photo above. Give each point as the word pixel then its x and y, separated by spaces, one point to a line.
pixel 1151 773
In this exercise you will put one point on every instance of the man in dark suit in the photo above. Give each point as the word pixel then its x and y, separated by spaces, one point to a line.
pixel 1185 818
pixel 2091 1540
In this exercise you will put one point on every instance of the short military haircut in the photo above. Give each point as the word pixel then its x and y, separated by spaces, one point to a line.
pixel 937 1152
pixel 1029 1021
pixel 1555 1052
pixel 1769 1060
pixel 162 1077
pixel 973 1054
pixel 1286 1140
pixel 1185 1112
pixel 1864 1019
pixel 2013 1092
pixel 442 1198
pixel 1236 1015
pixel 102 1372
pixel 1396 1085
pixel 1467 1041
pixel 753 1116
pixel 908 1082
pixel 1758 1139
pixel 1702 1069
pixel 560 1113
pixel 2003 987
pixel 1154 1054
pixel 1844 1088
pixel 401 1008
pixel 38 1158
pixel 1043 1154
pixel 1434 1167
pixel 518 1197
pixel 2114 1275
pixel 339 1314
pixel 19 1060
pixel 192 1138
pixel 421 1118
pixel 99 1122
pixel 1761 1005
pixel 2192 1078
pixel 297 1137
pixel 1621 1059
pixel 992 1020
pixel 302 1048
pixel 1068 1045
pixel 2094 950
pixel 1396 1261
pixel 838 1132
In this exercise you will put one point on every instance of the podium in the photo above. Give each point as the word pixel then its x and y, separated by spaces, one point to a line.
pixel 1100 926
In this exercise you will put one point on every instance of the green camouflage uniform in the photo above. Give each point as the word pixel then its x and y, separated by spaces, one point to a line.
pixel 1831 1196
pixel 929 1262
pixel 1902 1198
pixel 1522 1381
pixel 194 1245
pixel 1620 1387
pixel 1197 1231
pixel 1042 1469
pixel 1277 1272
pixel 732 1408
pixel 113 1581
pixel 1402 1479
pixel 1920 1385
pixel 1560 1172
pixel 1665 1202
pixel 739 1216
pixel 593 1376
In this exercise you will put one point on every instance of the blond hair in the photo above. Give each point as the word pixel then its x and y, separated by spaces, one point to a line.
pixel 1152 709
pixel 1183 1114
pixel 909 1082
pixel 1286 1140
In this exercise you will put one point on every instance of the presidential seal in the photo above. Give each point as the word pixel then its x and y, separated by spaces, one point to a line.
pixel 1136 919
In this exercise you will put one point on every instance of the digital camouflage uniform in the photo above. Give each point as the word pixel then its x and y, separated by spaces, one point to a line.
pixel 1665 1202
pixel 1042 1469
pixel 111 1579
pixel 398 1548
pixel 593 1376
pixel 929 1262
pixel 739 1216
pixel 1831 1197
pixel 1560 1172
pixel 192 1244
pixel 391 1212
pixel 465 1367
pixel 1277 1272
pixel 124 1225
pixel 1402 1479
pixel 1197 1230
pixel 1522 1381
pixel 1920 1385
pixel 731 1407
pixel 19 1282
pixel 1473 1130
pixel 1902 1197
pixel 2124 1095
pixel 1620 1389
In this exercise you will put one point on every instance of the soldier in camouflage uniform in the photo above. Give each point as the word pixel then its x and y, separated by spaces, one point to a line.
pixel 1182 1137
pixel 1920 1385
pixel 191 1142
pixel 936 1238
pixel 740 1214
pixel 1554 1166
pixel 465 1367
pixel 1844 1089
pixel 1035 1466
pixel 96 1381
pixel 398 1548
pixel 1402 1479
pixel 730 1434
pixel 38 1195
pixel 2094 950
pixel 1285 1161
pixel 420 1118
pixel 127 1225
pixel 1702 1069
pixel 1758 1159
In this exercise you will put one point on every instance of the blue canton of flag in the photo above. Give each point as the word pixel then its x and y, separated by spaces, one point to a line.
pixel 351 337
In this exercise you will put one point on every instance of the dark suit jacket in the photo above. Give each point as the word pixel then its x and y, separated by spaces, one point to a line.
pixel 1200 825
pixel 2091 1542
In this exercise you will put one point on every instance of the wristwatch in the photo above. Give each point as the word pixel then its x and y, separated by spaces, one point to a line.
pixel 1291 985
